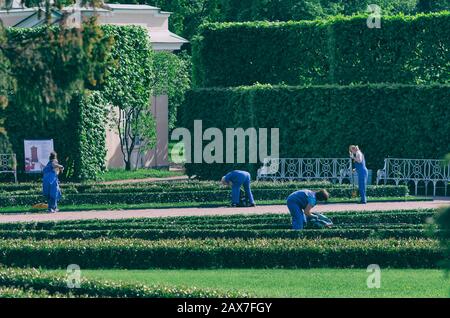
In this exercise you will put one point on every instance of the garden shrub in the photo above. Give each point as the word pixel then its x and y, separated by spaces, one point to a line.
pixel 78 123
pixel 393 219
pixel 340 50
pixel 231 253
pixel 414 118
pixel 443 219
pixel 55 285
pixel 164 234
pixel 186 196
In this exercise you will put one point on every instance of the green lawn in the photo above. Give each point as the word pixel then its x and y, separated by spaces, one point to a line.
pixel 102 207
pixel 121 174
pixel 293 283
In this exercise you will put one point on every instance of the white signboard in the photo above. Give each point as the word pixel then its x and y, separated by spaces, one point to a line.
pixel 36 154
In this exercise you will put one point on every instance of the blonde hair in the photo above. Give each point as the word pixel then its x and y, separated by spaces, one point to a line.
pixel 353 146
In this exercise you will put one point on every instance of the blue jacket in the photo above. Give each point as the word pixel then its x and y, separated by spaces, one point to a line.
pixel 237 177
pixel 303 198
pixel 50 183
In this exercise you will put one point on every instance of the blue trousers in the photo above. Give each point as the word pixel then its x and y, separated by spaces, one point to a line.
pixel 362 184
pixel 52 203
pixel 236 191
pixel 298 216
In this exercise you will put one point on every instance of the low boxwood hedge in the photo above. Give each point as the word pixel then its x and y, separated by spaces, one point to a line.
pixel 218 195
pixel 229 253
pixel 38 283
pixel 163 234
pixel 340 219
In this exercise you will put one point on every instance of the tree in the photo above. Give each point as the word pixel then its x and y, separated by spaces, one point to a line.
pixel 171 76
pixel 128 89
pixel 43 68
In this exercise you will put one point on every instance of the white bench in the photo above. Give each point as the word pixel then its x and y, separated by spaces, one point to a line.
pixel 416 171
pixel 305 169
pixel 8 164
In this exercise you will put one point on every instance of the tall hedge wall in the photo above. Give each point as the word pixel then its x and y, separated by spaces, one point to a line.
pixel 89 150
pixel 341 50
pixel 410 121
pixel 78 125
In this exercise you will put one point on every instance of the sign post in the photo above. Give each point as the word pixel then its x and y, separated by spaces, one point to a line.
pixel 37 153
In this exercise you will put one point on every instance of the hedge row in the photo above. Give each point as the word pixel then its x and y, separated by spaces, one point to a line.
pixel 12 292
pixel 269 223
pixel 310 117
pixel 191 196
pixel 341 50
pixel 55 285
pixel 183 186
pixel 338 189
pixel 342 219
pixel 231 253
pixel 164 234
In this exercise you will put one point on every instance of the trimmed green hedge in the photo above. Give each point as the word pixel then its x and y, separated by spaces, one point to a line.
pixel 371 219
pixel 188 196
pixel 23 282
pixel 309 117
pixel 443 220
pixel 89 152
pixel 183 186
pixel 165 234
pixel 13 292
pixel 232 253
pixel 340 50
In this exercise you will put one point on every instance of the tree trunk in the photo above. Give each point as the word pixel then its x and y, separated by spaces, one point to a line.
pixel 128 165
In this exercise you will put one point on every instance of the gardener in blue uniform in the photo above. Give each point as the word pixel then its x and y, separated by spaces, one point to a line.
pixel 50 182
pixel 361 170
pixel 300 204
pixel 236 179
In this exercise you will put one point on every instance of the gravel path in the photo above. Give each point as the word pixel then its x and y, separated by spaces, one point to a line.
pixel 149 213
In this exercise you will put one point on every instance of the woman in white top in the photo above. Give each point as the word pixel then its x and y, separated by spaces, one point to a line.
pixel 360 166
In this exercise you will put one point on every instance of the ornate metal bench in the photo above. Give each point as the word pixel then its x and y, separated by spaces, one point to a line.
pixel 301 169
pixel 8 164
pixel 415 171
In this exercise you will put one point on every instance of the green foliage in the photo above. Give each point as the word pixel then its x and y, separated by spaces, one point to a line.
pixel 187 16
pixel 171 76
pixel 128 89
pixel 433 5
pixel 89 152
pixel 5 77
pixel 340 50
pixel 310 117
pixel 232 253
pixel 158 234
pixel 443 220
pixel 407 219
pixel 136 195
pixel 348 225
pixel 76 122
pixel 26 282
pixel 188 186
